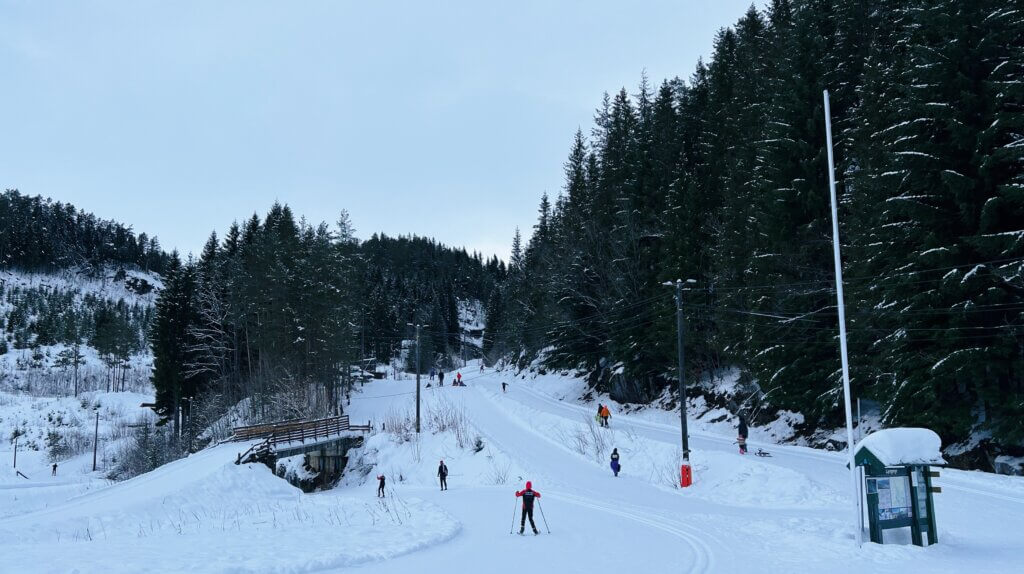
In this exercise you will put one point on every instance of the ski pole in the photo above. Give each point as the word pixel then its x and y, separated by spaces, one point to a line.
pixel 514 505
pixel 541 507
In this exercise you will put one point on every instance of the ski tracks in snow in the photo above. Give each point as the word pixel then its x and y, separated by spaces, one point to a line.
pixel 702 553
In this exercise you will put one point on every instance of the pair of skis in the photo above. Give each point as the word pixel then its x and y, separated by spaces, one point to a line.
pixel 535 531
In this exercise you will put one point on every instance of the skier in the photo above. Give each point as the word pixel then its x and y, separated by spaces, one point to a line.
pixel 742 435
pixel 431 374
pixel 440 378
pixel 504 386
pixel 528 494
pixel 605 415
pixel 597 417
pixel 615 461
pixel 442 473
pixel 54 473
pixel 380 487
pixel 458 379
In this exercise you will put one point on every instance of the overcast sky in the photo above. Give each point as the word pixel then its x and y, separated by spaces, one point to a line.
pixel 440 119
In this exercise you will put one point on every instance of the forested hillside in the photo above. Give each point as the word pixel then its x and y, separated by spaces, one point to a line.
pixel 722 178
pixel 37 234
pixel 76 298
pixel 277 315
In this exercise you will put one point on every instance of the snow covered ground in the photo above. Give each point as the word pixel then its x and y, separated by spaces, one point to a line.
pixel 787 513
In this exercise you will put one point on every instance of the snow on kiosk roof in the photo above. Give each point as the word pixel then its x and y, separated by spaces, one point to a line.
pixel 904 446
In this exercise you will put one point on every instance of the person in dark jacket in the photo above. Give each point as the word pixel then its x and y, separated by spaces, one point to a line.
pixel 742 435
pixel 380 487
pixel 440 378
pixel 528 494
pixel 442 473
pixel 615 461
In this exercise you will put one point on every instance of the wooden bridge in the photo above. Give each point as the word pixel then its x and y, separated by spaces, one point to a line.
pixel 289 438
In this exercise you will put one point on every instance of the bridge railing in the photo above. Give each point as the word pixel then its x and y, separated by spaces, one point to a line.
pixel 297 430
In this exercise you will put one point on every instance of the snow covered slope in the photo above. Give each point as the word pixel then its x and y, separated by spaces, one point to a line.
pixel 785 513
pixel 206 514
pixel 64 304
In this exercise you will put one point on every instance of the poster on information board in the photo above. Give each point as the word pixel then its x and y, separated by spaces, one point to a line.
pixel 893 498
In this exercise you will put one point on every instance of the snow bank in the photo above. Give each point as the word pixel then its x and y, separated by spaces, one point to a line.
pixel 897 446
pixel 206 514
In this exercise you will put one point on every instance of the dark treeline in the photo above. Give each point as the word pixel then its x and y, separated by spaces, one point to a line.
pixel 417 280
pixel 275 315
pixel 37 234
pixel 723 179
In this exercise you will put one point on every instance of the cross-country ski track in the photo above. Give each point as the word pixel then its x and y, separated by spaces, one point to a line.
pixel 705 536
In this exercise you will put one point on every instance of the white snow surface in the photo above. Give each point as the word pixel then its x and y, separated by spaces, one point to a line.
pixel 789 512
pixel 895 446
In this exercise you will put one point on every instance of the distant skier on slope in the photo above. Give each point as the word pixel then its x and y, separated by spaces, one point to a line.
pixel 458 378
pixel 528 494
pixel 380 487
pixel 440 378
pixel 742 435
pixel 615 461
pixel 504 386
pixel 605 415
pixel 597 417
pixel 432 373
pixel 442 473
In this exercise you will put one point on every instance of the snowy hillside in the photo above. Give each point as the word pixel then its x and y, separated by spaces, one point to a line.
pixel 43 315
pixel 785 513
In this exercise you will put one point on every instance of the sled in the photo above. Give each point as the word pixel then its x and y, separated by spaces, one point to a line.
pixel 762 453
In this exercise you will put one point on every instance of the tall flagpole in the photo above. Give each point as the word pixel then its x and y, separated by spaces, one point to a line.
pixel 842 322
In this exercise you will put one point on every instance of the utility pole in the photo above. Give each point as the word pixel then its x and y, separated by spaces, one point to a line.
pixel 418 328
pixel 842 324
pixel 95 441
pixel 417 379
pixel 685 471
pixel 15 452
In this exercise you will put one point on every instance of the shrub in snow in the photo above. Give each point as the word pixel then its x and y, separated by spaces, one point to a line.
pixel 146 451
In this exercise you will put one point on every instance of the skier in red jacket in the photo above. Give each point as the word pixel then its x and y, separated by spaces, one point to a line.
pixel 528 494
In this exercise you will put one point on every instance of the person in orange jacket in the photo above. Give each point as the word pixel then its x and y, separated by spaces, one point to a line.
pixel 528 494
pixel 605 415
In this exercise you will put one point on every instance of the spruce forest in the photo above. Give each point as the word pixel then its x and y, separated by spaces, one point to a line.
pixel 722 178
pixel 283 316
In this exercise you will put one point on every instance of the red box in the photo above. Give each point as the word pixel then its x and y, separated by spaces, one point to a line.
pixel 685 476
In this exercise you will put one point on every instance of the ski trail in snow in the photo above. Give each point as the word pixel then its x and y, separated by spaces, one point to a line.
pixel 703 554
pixel 560 468
pixel 669 434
